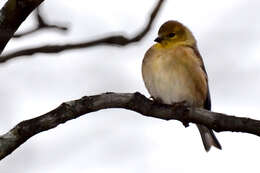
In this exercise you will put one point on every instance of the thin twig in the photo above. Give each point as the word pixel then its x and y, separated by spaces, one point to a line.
pixel 42 24
pixel 119 40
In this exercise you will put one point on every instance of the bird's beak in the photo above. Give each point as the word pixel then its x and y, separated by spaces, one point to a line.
pixel 158 39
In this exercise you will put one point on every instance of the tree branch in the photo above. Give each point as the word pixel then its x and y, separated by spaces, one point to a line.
pixel 119 40
pixel 135 102
pixel 42 24
pixel 13 13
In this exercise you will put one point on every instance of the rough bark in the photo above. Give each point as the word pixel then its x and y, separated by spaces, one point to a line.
pixel 134 102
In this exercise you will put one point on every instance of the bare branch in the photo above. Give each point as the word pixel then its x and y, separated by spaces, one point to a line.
pixel 135 102
pixel 13 13
pixel 42 24
pixel 119 40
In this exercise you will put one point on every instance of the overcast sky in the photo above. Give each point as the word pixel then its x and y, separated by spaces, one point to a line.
pixel 115 140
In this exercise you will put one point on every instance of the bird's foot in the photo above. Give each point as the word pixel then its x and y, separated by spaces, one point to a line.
pixel 182 103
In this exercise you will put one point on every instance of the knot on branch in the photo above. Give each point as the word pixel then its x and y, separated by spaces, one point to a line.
pixel 183 111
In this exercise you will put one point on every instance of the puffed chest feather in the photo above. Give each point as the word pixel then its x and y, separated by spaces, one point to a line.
pixel 174 75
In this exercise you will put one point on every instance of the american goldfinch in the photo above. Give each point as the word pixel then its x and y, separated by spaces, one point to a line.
pixel 173 71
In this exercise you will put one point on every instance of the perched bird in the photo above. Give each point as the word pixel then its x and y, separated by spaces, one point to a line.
pixel 173 71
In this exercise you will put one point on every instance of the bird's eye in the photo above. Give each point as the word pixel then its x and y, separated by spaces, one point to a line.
pixel 171 34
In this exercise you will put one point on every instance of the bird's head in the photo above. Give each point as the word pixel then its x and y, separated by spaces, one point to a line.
pixel 173 33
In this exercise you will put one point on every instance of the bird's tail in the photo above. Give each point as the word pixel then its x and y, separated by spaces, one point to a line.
pixel 208 137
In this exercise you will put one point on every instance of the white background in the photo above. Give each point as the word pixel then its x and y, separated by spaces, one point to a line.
pixel 115 140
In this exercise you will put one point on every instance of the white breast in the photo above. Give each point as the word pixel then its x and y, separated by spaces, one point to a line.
pixel 168 80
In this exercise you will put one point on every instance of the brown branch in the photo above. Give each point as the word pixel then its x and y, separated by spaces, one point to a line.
pixel 119 40
pixel 135 102
pixel 42 24
pixel 13 13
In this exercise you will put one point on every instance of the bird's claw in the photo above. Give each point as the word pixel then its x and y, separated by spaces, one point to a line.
pixel 186 124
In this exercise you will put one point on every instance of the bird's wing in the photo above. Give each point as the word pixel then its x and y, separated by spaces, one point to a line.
pixel 207 103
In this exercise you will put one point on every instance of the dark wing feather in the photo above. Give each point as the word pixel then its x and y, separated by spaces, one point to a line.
pixel 207 103
pixel 205 132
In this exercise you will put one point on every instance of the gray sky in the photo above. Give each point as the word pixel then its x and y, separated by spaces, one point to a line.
pixel 228 34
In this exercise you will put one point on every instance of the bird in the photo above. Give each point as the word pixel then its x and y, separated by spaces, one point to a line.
pixel 173 71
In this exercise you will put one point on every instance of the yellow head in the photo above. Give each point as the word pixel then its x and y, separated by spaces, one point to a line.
pixel 173 33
